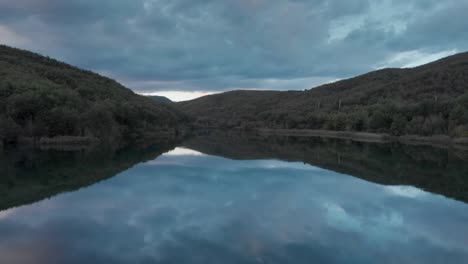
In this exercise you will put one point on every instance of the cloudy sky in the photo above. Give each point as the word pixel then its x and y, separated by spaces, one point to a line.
pixel 184 48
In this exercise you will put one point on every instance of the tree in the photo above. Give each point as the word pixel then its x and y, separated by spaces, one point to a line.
pixel 9 129
pixel 380 121
pixel 358 121
pixel 398 125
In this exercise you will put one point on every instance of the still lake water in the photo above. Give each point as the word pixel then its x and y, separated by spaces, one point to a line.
pixel 244 201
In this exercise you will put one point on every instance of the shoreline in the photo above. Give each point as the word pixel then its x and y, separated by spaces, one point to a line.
pixel 74 143
pixel 65 143
pixel 438 140
pixel 441 141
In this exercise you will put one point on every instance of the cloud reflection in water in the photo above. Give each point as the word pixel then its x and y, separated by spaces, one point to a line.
pixel 186 207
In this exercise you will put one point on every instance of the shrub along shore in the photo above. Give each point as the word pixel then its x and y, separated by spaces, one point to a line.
pixel 370 137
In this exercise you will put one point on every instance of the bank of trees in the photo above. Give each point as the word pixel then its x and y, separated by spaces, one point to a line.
pixel 41 97
pixel 420 119
pixel 427 100
pixel 425 118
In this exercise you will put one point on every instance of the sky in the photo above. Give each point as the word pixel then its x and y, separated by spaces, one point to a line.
pixel 188 48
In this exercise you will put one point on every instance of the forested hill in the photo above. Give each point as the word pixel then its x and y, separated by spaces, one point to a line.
pixel 428 100
pixel 41 97
pixel 160 99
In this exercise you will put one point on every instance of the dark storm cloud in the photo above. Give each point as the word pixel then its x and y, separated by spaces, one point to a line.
pixel 217 45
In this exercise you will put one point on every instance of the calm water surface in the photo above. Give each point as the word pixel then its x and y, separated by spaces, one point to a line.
pixel 189 207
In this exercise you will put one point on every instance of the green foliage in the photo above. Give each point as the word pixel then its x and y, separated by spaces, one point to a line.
pixel 358 121
pixel 459 113
pixel 336 121
pixel 380 121
pixel 398 125
pixel 41 97
pixel 427 100
pixel 60 121
pixel 9 129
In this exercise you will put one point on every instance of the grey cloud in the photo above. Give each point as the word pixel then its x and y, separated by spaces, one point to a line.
pixel 446 28
pixel 245 42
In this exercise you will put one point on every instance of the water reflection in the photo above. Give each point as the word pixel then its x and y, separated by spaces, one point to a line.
pixel 187 207
pixel 29 175
pixel 438 170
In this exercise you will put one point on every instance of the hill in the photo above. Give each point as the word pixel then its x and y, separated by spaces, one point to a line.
pixel 42 98
pixel 428 100
pixel 160 99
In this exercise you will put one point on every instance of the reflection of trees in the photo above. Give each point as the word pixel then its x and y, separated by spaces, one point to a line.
pixel 31 175
pixel 437 170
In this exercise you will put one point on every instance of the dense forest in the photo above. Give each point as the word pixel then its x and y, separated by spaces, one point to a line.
pixel 160 99
pixel 44 98
pixel 428 100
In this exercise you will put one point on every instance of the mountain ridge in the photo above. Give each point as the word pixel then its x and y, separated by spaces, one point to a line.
pixel 431 99
pixel 42 97
pixel 160 99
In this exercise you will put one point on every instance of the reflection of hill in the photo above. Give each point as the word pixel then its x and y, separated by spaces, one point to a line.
pixel 439 171
pixel 32 175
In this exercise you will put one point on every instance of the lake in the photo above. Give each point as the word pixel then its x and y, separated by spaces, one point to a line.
pixel 227 198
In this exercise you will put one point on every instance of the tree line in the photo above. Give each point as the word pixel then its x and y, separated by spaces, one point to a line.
pixel 41 97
